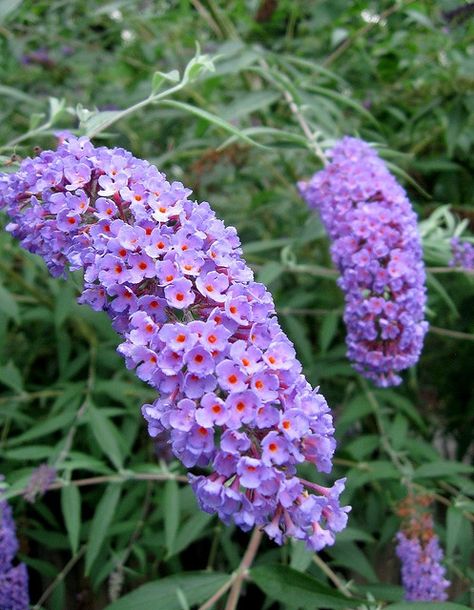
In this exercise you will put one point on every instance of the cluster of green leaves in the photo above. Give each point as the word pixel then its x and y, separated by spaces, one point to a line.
pixel 119 527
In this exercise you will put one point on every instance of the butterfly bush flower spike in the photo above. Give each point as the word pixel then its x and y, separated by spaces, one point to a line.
pixel 420 554
pixel 13 579
pixel 377 249
pixel 462 254
pixel 195 326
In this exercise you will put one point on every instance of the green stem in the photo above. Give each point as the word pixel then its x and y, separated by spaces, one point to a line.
pixel 450 270
pixel 138 106
pixel 454 334
pixel 219 593
pixel 114 478
pixel 60 577
pixel 333 577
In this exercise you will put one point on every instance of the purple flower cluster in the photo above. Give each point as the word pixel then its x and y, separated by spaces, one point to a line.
pixel 196 327
pixel 422 572
pixel 376 246
pixel 463 254
pixel 40 480
pixel 13 579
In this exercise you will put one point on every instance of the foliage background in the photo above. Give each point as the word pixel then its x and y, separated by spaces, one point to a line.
pixel 397 74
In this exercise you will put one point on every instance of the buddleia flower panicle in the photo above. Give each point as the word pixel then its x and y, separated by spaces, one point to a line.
pixel 13 579
pixel 40 480
pixel 420 553
pixel 195 326
pixel 462 254
pixel 377 249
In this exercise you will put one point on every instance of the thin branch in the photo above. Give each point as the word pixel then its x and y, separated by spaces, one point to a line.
pixel 206 15
pixel 219 593
pixel 26 397
pixel 80 413
pixel 301 311
pixel 315 270
pixel 442 500
pixel 42 298
pixel 362 32
pixel 438 270
pixel 392 454
pixel 60 577
pixel 454 334
pixel 117 576
pixel 135 476
pixel 115 478
pixel 214 547
pixel 333 577
pixel 305 128
pixel 245 564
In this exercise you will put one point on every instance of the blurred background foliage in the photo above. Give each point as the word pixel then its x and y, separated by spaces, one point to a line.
pixel 399 74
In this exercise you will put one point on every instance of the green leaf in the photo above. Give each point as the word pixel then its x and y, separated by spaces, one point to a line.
pixel 328 330
pixel 456 123
pixel 312 66
pixel 35 120
pixel 71 509
pixel 64 304
pixel 274 135
pixel 241 60
pixel 160 77
pixel 171 513
pixel 98 121
pixel 190 531
pixel 341 99
pixel 7 7
pixel 198 65
pixel 355 410
pixel 402 404
pixel 80 461
pixel 432 282
pixel 296 589
pixel 248 103
pixel 301 557
pixel 163 593
pixel 211 118
pixel 382 591
pixel 398 431
pixel 441 468
pixel 100 523
pixel 350 534
pixel 11 377
pixel 453 528
pixel 16 94
pixel 398 171
pixel 32 452
pixel 45 427
pixel 254 247
pixel 107 436
pixel 269 272
pixel 8 305
pixel 348 555
pixel 298 334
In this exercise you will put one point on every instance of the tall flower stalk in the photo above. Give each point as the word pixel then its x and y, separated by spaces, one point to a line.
pixel 196 327
pixel 377 249
pixel 462 254
pixel 420 553
pixel 13 579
